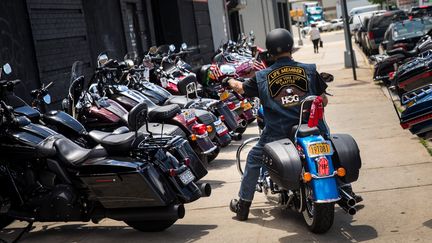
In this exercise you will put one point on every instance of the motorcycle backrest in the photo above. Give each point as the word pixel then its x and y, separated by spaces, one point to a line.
pixel 137 116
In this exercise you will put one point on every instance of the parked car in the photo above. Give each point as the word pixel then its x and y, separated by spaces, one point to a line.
pixel 336 24
pixel 405 33
pixel 357 20
pixel 323 25
pixel 377 26
pixel 364 9
pixel 361 33
pixel 420 11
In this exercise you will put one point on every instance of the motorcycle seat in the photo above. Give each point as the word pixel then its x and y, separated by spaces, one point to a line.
pixel 97 136
pixel 70 152
pixel 403 52
pixel 113 143
pixel 163 113
pixel 182 101
pixel 305 131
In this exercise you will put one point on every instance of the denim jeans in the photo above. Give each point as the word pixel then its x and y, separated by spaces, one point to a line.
pixel 252 170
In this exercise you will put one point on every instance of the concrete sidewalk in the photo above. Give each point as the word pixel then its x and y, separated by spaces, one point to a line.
pixel 395 180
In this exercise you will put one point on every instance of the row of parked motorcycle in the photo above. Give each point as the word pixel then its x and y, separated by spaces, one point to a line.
pixel 405 68
pixel 131 142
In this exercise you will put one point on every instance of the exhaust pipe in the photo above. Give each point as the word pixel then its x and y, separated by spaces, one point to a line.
pixel 152 213
pixel 205 189
pixel 349 210
pixel 347 198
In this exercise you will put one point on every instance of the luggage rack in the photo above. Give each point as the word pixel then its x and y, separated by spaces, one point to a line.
pixel 416 94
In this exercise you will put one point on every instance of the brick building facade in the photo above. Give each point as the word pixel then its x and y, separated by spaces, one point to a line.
pixel 42 38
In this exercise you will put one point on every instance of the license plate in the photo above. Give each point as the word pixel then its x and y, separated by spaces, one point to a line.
pixel 186 177
pixel 220 127
pixel 224 95
pixel 318 149
pixel 247 106
pixel 189 115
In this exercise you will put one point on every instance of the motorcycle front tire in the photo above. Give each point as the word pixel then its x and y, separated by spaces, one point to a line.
pixel 151 225
pixel 5 221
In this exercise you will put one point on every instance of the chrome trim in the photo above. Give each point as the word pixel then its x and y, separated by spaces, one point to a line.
pixel 328 200
pixel 209 151
pixel 324 177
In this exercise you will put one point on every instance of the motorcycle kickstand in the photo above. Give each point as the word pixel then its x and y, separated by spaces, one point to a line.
pixel 25 230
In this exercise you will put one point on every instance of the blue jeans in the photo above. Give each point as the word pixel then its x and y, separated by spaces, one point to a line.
pixel 252 170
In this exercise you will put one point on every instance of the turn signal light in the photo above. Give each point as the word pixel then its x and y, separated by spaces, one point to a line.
pixel 193 137
pixel 209 129
pixel 307 177
pixel 341 172
pixel 242 104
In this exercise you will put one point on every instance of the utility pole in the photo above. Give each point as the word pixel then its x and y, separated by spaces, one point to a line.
pixel 349 55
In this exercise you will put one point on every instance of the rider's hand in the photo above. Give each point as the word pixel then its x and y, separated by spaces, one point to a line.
pixel 225 82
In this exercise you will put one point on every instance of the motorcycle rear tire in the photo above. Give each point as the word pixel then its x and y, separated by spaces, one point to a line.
pixel 241 130
pixel 213 155
pixel 151 225
pixel 322 218
pixel 5 221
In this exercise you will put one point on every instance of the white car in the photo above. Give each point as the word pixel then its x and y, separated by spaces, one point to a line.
pixel 337 24
pixel 323 25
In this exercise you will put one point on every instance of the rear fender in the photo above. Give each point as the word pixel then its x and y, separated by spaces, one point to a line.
pixel 324 188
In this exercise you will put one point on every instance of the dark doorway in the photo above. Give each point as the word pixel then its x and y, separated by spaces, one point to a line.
pixel 282 9
pixel 235 26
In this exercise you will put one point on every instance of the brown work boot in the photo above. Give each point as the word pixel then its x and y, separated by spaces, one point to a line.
pixel 241 208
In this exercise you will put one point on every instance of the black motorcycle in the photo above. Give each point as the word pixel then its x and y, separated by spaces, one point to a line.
pixel 47 177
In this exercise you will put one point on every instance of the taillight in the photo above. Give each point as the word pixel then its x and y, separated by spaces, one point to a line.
pixel 187 161
pixel 323 167
pixel 199 129
pixel 222 117
pixel 400 45
pixel 231 105
pixel 370 35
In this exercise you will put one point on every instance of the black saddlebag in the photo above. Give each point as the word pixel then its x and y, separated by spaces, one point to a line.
pixel 346 155
pixel 125 184
pixel 181 149
pixel 283 163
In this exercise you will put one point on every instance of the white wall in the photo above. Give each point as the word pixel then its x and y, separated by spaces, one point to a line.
pixel 350 4
pixel 219 22
pixel 258 16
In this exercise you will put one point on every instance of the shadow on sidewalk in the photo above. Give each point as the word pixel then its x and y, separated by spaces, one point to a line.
pixel 93 233
pixel 293 223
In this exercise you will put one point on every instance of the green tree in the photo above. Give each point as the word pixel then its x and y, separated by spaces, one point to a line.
pixel 380 2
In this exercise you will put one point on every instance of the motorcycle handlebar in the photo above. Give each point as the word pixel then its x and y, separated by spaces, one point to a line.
pixel 6 82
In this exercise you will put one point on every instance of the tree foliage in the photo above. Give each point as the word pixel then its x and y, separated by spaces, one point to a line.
pixel 380 2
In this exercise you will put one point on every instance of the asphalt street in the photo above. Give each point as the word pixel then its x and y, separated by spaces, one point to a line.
pixel 395 180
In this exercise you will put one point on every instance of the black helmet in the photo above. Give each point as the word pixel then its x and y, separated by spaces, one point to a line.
pixel 279 41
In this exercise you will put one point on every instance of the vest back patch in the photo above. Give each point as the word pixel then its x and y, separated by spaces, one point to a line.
pixel 287 85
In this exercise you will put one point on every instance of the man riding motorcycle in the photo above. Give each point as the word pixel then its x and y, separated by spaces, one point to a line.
pixel 280 88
